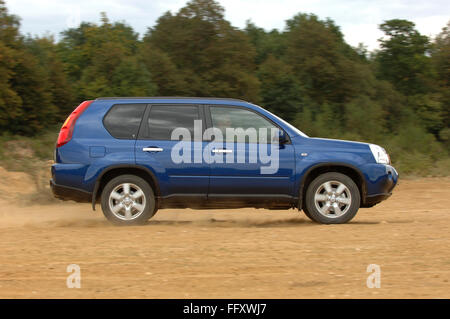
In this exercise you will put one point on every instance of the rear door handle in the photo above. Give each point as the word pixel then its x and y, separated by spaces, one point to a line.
pixel 152 149
pixel 222 151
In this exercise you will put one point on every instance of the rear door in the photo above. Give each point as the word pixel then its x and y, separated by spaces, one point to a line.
pixel 175 163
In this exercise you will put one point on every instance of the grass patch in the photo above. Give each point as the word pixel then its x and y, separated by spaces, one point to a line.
pixel 20 153
pixel 32 155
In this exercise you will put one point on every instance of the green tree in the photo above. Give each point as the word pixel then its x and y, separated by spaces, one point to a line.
pixel 25 99
pixel 331 71
pixel 33 86
pixel 10 101
pixel 60 88
pixel 265 43
pixel 103 60
pixel 365 119
pixel 78 47
pixel 320 120
pixel 402 59
pixel 281 92
pixel 441 61
pixel 165 74
pixel 215 58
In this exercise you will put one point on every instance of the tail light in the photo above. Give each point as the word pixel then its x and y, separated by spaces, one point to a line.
pixel 65 134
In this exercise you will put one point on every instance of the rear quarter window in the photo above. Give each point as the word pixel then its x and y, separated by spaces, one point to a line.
pixel 123 120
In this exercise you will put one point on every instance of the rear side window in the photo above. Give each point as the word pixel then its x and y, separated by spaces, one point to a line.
pixel 163 119
pixel 123 120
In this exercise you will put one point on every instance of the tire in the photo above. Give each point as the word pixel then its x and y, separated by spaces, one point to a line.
pixel 307 214
pixel 128 205
pixel 332 198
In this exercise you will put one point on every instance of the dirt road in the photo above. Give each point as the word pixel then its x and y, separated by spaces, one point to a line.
pixel 245 253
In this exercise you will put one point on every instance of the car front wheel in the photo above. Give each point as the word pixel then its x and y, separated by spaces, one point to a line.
pixel 332 198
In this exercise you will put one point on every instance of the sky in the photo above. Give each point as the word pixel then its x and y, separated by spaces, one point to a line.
pixel 358 19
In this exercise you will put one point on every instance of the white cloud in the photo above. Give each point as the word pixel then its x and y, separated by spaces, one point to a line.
pixel 358 19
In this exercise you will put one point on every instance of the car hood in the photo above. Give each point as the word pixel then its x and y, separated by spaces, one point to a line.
pixel 332 143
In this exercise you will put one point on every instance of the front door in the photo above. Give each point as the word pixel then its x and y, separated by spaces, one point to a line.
pixel 247 168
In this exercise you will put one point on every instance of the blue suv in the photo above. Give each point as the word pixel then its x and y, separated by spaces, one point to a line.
pixel 136 155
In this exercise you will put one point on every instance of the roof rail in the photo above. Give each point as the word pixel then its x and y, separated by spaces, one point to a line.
pixel 168 98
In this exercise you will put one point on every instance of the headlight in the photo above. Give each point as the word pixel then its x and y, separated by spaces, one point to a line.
pixel 380 154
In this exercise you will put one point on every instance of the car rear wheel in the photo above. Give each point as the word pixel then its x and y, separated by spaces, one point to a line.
pixel 128 200
pixel 332 198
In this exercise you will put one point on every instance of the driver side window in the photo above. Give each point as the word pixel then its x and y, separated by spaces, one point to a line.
pixel 233 117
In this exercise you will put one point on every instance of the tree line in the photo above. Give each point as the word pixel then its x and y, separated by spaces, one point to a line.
pixel 398 95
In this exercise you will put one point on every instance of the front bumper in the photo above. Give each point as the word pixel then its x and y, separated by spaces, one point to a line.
pixel 381 181
pixel 70 193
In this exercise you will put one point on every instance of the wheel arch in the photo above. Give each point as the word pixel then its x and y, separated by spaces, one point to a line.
pixel 351 171
pixel 116 170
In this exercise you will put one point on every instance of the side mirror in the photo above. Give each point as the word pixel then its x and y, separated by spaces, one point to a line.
pixel 282 137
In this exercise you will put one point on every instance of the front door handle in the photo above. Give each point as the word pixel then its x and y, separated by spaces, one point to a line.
pixel 152 149
pixel 222 151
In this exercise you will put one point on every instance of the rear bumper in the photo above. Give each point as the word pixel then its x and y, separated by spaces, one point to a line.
pixel 70 193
